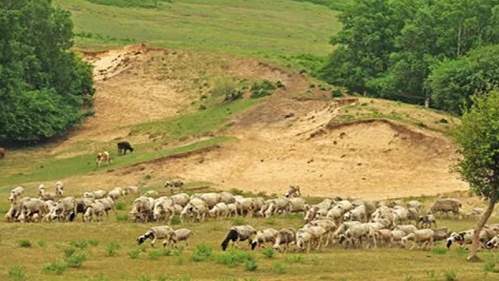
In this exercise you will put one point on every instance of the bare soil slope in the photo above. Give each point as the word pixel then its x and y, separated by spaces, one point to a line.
pixel 284 140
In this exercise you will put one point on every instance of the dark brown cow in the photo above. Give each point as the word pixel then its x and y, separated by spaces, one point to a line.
pixel 123 146
pixel 2 152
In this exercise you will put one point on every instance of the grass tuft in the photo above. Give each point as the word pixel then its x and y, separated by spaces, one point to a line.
pixel 25 243
pixel 17 273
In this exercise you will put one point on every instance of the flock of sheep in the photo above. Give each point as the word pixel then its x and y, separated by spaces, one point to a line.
pixel 350 223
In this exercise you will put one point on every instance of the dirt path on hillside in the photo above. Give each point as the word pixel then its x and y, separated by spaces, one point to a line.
pixel 280 142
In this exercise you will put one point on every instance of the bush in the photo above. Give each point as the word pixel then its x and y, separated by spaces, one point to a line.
pixel 76 260
pixel 336 93
pixel 17 272
pixel 279 268
pixel 134 254
pixel 25 243
pixel 120 206
pixel 93 242
pixel 450 275
pixel 112 249
pixel 57 267
pixel 232 257
pixel 268 253
pixel 202 252
pixel 175 220
pixel 42 243
pixel 154 255
pixel 250 265
pixel 262 89
pixel 69 252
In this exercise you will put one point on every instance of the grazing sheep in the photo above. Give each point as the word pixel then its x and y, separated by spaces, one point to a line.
pixel 132 190
pixel 81 205
pixel 446 205
pixel 232 209
pixel 356 232
pixel 441 233
pixel 181 234
pixel 175 184
pixel 466 237
pixel 400 215
pixel 219 211
pixel 264 236
pixel 96 209
pixel 31 207
pixel 103 157
pixel 16 193
pixel 397 236
pixel 98 194
pixel 116 193
pixel 356 214
pixel 298 205
pixel 238 233
pixel 422 237
pixel 181 199
pixel 329 225
pixel 142 209
pixel 317 235
pixel 407 228
pixel 108 203
pixel 384 236
pixel 157 232
pixel 245 206
pixel 492 243
pixel 211 199
pixel 475 212
pixel 63 209
pixel 285 236
pixel 293 191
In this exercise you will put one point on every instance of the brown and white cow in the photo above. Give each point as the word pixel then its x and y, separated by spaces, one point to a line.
pixel 103 157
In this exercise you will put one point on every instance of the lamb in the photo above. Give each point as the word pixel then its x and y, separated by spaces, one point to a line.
pixel 181 234
pixel 284 236
pixel 263 236
pixel 96 209
pixel 238 233
pixel 157 232
pixel 16 193
pixel 446 205
pixel 142 209
pixel 31 207
pixel 315 234
pixel 63 209
pixel 384 235
pixel 422 237
pixel 293 191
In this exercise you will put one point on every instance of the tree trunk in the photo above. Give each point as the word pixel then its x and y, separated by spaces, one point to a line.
pixel 476 234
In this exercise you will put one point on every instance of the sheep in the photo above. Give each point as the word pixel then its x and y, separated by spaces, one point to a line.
pixel 492 243
pixel 407 228
pixel 336 213
pixel 414 204
pixel 227 197
pixel 293 191
pixel 384 235
pixel 441 234
pixel 329 225
pixel 317 234
pixel 446 205
pixel 116 193
pixel 357 232
pixel 45 195
pixel 64 208
pixel 108 203
pixel 142 208
pixel 263 236
pixel 475 212
pixel 421 237
pixel 427 221
pixel 466 237
pixel 132 189
pixel 157 232
pixel 211 199
pixel 400 215
pixel 284 236
pixel 59 188
pixel 197 207
pixel 356 214
pixel 181 234
pixel 96 209
pixel 16 193
pixel 238 233
pixel 98 194
pixel 81 205
pixel 245 206
pixel 232 207
pixel 174 184
pixel 219 211
pixel 31 207
pixel 151 193
pixel 162 209
pixel 297 205
pixel 181 199
pixel 397 236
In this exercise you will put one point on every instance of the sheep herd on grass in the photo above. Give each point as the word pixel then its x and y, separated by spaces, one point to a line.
pixel 334 221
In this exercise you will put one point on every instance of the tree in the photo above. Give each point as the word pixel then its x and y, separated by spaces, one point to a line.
pixel 44 84
pixel 478 139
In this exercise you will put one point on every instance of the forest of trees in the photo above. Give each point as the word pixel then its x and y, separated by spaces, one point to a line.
pixel 436 52
pixel 43 84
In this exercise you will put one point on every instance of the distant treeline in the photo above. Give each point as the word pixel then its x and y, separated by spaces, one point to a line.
pixel 435 52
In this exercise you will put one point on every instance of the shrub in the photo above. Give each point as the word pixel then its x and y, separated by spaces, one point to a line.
pixel 175 220
pixel 17 272
pixel 69 252
pixel 262 89
pixel 79 244
pixel 202 252
pixel 120 206
pixel 268 252
pixel 76 260
pixel 134 254
pixel 25 243
pixel 490 266
pixel 57 267
pixel 279 268
pixel 93 242
pixel 42 243
pixel 232 257
pixel 294 259
pixel 112 249
pixel 154 255
pixel 450 275
pixel 336 93
pixel 250 265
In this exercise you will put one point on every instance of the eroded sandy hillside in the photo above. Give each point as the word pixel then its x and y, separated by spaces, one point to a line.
pixel 285 140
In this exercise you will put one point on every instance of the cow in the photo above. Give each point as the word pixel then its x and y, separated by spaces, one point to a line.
pixel 123 146
pixel 2 152
pixel 103 156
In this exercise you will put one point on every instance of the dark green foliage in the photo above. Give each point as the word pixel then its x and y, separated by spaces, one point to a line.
pixel 262 89
pixel 57 267
pixel 76 260
pixel 233 257
pixel 43 84
pixel 201 253
pixel 412 51
pixel 25 243
pixel 175 220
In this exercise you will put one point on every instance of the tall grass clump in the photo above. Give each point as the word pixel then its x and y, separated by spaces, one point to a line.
pixel 279 268
pixel 76 260
pixel 112 249
pixel 25 243
pixel 439 251
pixel 42 243
pixel 175 220
pixel 134 254
pixel 201 253
pixel 450 275
pixel 79 244
pixel 120 206
pixel 268 253
pixel 93 242
pixel 238 221
pixel 56 267
pixel 250 265
pixel 17 273
pixel 233 257
pixel 490 266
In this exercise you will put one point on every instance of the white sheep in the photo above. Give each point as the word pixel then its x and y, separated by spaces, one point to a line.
pixel 264 236
pixel 238 233
pixel 59 188
pixel 285 236
pixel 219 211
pixel 181 234
pixel 16 193
pixel 422 237
pixel 164 232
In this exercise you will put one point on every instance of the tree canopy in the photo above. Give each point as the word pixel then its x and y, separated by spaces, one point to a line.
pixel 478 140
pixel 405 50
pixel 44 84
